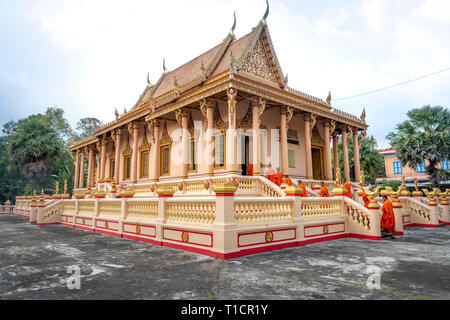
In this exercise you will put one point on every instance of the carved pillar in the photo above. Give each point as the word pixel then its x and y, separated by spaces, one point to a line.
pixel 77 173
pixel 345 154
pixel 91 166
pixel 134 156
pixel 117 157
pixel 335 151
pixel 103 158
pixel 356 153
pixel 210 138
pixel 82 161
pixel 185 143
pixel 328 165
pixel 283 138
pixel 89 177
pixel 308 152
pixel 155 166
pixel 258 109
pixel 231 132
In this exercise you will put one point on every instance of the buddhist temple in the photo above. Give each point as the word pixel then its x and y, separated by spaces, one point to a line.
pixel 186 167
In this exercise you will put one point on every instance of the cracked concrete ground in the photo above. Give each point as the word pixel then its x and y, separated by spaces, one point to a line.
pixel 34 262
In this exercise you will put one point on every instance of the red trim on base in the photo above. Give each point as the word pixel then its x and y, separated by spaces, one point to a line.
pixel 399 233
pixel 107 232
pixel 247 252
pixel 224 194
pixel 361 236
pixel 163 196
pixel 293 195
pixel 444 222
pixel 142 239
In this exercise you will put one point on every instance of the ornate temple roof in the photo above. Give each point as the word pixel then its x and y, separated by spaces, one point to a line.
pixel 250 57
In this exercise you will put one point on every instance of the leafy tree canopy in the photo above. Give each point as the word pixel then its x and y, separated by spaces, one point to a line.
pixel 424 137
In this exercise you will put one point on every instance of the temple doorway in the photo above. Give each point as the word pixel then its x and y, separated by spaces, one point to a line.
pixel 246 154
pixel 317 163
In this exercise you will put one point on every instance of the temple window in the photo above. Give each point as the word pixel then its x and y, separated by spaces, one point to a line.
pixel 112 167
pixel 192 158
pixel 421 168
pixel 127 167
pixel 144 164
pixel 165 160
pixel 219 150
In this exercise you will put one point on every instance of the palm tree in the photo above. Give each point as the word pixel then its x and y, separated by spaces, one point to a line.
pixel 424 137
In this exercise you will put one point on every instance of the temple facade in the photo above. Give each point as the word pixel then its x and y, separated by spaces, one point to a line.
pixel 218 114
pixel 186 166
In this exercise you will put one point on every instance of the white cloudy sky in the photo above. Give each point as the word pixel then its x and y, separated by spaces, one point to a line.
pixel 90 56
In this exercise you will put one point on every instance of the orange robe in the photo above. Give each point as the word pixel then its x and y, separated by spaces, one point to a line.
pixel 271 175
pixel 324 191
pixel 366 200
pixel 349 190
pixel 388 217
pixel 287 181
pixel 250 169
pixel 304 194
pixel 278 178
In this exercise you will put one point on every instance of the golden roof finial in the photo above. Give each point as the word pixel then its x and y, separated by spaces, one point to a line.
pixel 116 113
pixel 363 115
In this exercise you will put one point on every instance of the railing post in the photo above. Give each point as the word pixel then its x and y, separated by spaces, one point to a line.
pixel 224 225
pixel 164 192
pixel 396 204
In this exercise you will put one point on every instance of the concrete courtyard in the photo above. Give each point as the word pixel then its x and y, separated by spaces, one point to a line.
pixel 34 262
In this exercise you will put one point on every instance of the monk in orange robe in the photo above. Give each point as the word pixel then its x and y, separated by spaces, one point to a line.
pixel 287 181
pixel 366 200
pixel 301 185
pixel 324 190
pixel 278 177
pixel 271 174
pixel 250 169
pixel 348 188
pixel 388 217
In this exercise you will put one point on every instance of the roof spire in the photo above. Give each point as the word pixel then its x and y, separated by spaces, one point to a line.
pixel 148 78
pixel 234 25
pixel 164 65
pixel 267 12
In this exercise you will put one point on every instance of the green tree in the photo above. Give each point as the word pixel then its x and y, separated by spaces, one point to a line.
pixel 85 128
pixel 424 137
pixel 35 144
pixel 371 162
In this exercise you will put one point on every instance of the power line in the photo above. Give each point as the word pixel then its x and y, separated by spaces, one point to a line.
pixel 394 85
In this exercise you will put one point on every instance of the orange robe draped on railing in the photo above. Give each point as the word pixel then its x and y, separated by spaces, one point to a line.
pixel 388 217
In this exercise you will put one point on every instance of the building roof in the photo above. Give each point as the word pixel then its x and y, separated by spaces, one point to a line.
pixel 390 150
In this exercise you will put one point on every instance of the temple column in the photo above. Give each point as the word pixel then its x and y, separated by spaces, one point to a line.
pixel 283 138
pixel 77 161
pixel 155 165
pixel 328 165
pixel 91 162
pixel 117 157
pixel 345 154
pixel 134 155
pixel 231 132
pixel 82 160
pixel 210 140
pixel 335 152
pixel 185 144
pixel 103 158
pixel 356 153
pixel 308 152
pixel 257 111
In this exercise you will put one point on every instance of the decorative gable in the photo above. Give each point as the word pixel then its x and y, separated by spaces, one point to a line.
pixel 256 62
